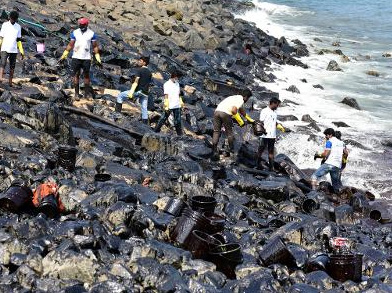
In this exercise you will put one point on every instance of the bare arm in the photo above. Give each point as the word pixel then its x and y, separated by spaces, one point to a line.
pixel 234 110
pixel 70 45
pixel 95 47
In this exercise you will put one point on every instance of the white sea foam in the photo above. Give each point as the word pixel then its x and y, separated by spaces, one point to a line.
pixel 367 168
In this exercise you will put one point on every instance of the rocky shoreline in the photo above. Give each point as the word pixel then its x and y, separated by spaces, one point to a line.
pixel 115 236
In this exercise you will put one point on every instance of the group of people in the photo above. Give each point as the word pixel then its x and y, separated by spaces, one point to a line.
pixel 334 155
pixel 83 40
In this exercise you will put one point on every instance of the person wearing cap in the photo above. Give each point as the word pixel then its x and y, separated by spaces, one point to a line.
pixel 139 89
pixel 231 107
pixel 172 103
pixel 10 41
pixel 269 119
pixel 81 40
pixel 333 152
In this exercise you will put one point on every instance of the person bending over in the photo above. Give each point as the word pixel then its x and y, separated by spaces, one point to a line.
pixel 230 107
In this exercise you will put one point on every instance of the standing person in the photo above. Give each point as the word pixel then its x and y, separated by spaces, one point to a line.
pixel 81 40
pixel 140 88
pixel 229 108
pixel 172 103
pixel 269 118
pixel 10 41
pixel 333 152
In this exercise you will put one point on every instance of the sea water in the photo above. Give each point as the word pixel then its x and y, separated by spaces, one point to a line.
pixel 362 30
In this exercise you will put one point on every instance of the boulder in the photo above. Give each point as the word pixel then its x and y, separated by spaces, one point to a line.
pixel 68 265
pixel 333 66
pixel 351 102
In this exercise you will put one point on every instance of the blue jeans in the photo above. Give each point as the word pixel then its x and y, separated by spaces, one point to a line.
pixel 333 171
pixel 143 100
pixel 165 116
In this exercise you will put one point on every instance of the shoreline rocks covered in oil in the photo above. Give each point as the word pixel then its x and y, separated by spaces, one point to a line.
pixel 131 188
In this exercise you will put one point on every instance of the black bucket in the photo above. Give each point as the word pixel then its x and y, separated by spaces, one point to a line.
pixel 51 163
pixel 16 196
pixel 200 243
pixel 226 257
pixel 342 267
pixel 102 177
pixel 217 222
pixel 67 157
pixel 358 268
pixel 318 263
pixel 49 206
pixel 218 172
pixel 203 203
pixel 276 252
pixel 375 215
pixel 309 205
pixel 174 206
pixel 188 222
pixel 258 128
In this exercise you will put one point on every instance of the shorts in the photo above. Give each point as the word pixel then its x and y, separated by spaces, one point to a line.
pixel 78 64
pixel 10 56
pixel 269 143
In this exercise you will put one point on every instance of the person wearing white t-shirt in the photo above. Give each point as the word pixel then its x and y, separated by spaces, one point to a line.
pixel 333 153
pixel 269 118
pixel 10 41
pixel 172 103
pixel 229 108
pixel 81 40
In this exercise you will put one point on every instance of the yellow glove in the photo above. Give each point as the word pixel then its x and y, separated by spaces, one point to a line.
pixel 65 55
pixel 132 91
pixel 98 58
pixel 250 120
pixel 280 127
pixel 1 41
pixel 182 103
pixel 20 47
pixel 239 120
pixel 166 104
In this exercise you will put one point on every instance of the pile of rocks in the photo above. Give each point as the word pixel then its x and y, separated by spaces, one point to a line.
pixel 115 235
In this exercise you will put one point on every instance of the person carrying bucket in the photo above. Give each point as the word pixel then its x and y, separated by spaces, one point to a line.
pixel 81 40
pixel 10 41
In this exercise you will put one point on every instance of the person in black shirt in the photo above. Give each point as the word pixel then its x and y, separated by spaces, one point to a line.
pixel 139 89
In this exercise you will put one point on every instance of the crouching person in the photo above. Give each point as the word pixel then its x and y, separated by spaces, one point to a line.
pixel 333 152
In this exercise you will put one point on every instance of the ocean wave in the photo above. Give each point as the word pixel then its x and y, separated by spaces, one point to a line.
pixel 367 167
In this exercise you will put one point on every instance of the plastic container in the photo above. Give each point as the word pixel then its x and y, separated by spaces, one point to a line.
pixel 318 263
pixel 309 205
pixel 358 268
pixel 226 257
pixel 174 207
pixel 40 48
pixel 342 267
pixel 275 252
pixel 258 128
pixel 200 243
pixel 102 177
pixel 67 157
pixel 217 222
pixel 187 223
pixel 16 196
pixel 49 206
pixel 218 172
pixel 375 215
pixel 203 203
